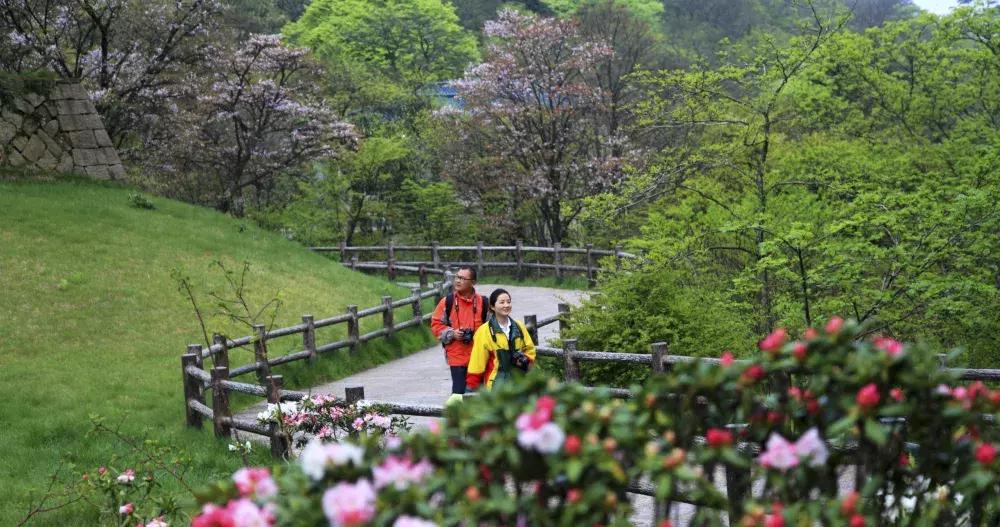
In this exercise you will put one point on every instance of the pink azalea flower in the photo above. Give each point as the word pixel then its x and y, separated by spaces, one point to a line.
pixel 811 448
pixel 317 456
pixel 547 438
pixel 359 423
pixel 126 477
pixel 158 522
pixel 400 472
pixel 324 433
pixel 213 516
pixel 246 513
pixel 868 396
pixel 349 505
pixel 779 454
pixel 411 521
pixel 834 325
pixel 891 346
pixel 774 341
pixel 255 482
pixel 126 510
pixel 727 359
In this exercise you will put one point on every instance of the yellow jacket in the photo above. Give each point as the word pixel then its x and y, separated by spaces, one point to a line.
pixel 488 350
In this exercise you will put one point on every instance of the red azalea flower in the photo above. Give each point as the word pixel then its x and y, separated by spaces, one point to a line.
pixel 850 503
pixel 834 325
pixel 754 373
pixel 896 394
pixel 799 351
pixel 718 437
pixel 573 444
pixel 665 523
pixel 573 495
pixel 986 453
pixel 890 346
pixel 857 521
pixel 774 341
pixel 810 333
pixel 868 396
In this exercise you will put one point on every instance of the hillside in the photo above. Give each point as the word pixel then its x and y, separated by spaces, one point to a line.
pixel 92 323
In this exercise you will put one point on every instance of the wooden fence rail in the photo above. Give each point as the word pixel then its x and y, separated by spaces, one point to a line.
pixel 518 263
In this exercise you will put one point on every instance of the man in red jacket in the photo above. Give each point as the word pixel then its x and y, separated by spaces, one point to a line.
pixel 454 327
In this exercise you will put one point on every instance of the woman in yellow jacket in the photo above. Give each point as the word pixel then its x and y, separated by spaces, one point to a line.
pixel 501 347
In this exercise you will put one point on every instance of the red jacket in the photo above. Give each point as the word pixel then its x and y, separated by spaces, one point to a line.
pixel 466 312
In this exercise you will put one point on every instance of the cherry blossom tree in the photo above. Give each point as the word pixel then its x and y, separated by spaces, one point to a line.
pixel 538 119
pixel 260 116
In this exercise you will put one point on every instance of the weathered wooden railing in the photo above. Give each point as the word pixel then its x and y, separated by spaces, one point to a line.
pixel 559 259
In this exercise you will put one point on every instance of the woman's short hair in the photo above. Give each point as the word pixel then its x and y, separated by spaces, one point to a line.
pixel 496 295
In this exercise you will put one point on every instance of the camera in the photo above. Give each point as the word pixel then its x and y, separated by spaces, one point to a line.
pixel 465 334
pixel 519 360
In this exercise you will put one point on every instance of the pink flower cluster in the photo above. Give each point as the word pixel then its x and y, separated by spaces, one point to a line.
pixel 255 483
pixel 236 513
pixel 349 504
pixel 892 347
pixel 400 472
pixel 535 430
pixel 782 454
pixel 317 456
pixel 126 477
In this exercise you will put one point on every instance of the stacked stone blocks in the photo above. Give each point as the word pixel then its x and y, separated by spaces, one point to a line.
pixel 57 130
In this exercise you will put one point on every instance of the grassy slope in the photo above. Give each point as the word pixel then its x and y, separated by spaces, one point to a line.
pixel 92 323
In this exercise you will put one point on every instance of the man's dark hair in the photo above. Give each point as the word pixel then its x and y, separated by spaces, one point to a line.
pixel 470 269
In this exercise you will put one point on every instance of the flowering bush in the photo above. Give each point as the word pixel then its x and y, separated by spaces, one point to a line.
pixel 875 433
pixel 331 418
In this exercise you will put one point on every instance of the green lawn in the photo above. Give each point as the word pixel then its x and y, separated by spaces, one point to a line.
pixel 92 323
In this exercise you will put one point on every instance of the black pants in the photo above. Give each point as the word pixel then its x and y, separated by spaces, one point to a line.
pixel 458 378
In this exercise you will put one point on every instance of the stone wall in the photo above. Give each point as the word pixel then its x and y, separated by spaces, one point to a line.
pixel 58 129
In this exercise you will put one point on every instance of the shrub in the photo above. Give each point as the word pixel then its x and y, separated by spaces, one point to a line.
pixel 538 452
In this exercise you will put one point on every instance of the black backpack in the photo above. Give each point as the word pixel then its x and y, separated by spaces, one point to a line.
pixel 449 302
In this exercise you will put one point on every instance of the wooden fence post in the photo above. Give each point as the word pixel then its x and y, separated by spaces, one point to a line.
pixel 192 391
pixel 570 366
pixel 391 261
pixel 354 262
pixel 531 324
pixel 343 252
pixel 557 260
pixel 563 316
pixel 387 321
pixel 309 338
pixel 737 488
pixel 519 258
pixel 196 349
pixel 423 276
pixel 590 265
pixel 260 353
pixel 353 333
pixel 618 257
pixel 479 260
pixel 220 402
pixel 353 394
pixel 435 255
pixel 221 357
pixel 658 350
pixel 280 442
pixel 417 311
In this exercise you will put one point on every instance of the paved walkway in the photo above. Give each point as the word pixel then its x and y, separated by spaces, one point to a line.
pixel 423 377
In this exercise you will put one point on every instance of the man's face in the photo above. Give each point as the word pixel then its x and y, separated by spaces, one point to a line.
pixel 464 282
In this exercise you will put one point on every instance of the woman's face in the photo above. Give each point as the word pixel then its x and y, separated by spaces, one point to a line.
pixel 502 306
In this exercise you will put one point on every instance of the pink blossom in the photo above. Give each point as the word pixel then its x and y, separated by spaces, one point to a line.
pixel 779 454
pixel 349 505
pixel 411 521
pixel 359 423
pixel 255 482
pixel 891 346
pixel 834 325
pixel 868 396
pixel 799 351
pixel 213 516
pixel 246 513
pixel 381 421
pixel 943 389
pixel 126 477
pixel 774 341
pixel 812 448
pixel 400 472
pixel 126 510
pixel 157 522
pixel 547 438
pixel 317 456
pixel 727 359
pixel 325 432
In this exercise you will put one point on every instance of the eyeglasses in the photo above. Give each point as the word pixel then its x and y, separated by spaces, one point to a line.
pixel 466 278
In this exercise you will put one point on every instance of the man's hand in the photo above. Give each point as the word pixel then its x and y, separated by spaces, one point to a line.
pixel 447 336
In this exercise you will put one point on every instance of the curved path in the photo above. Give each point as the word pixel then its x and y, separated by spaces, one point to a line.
pixel 423 377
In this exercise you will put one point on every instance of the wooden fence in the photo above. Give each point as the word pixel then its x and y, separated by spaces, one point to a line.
pixel 520 258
